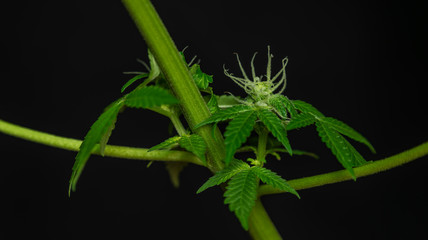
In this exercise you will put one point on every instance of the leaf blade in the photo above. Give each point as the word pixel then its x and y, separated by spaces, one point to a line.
pixel 195 144
pixel 151 96
pixel 300 120
pixel 132 80
pixel 237 132
pixel 306 108
pixel 224 114
pixel 271 178
pixel 96 133
pixel 275 126
pixel 222 176
pixel 345 153
pixel 240 194
pixel 346 130
pixel 282 105
pixel 168 142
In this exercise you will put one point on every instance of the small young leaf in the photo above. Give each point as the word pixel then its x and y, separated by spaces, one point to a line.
pixel 300 120
pixel 340 147
pixel 222 176
pixel 166 143
pixel 202 80
pixel 346 130
pixel 132 80
pixel 275 126
pixel 98 130
pixel 154 67
pixel 273 179
pixel 241 193
pixel 194 144
pixel 151 96
pixel 225 114
pixel 305 107
pixel 213 104
pixel 237 132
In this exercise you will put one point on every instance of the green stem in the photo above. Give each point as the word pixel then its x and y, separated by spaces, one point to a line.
pixel 110 150
pixel 343 175
pixel 260 224
pixel 177 74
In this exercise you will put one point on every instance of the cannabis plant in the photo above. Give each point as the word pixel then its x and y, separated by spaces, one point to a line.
pixel 234 136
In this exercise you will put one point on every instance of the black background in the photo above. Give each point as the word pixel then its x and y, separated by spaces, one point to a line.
pixel 362 62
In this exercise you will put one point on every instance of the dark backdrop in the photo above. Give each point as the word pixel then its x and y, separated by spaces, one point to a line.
pixel 364 62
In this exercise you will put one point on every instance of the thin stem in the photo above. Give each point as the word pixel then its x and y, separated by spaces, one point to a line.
pixel 175 119
pixel 110 150
pixel 343 175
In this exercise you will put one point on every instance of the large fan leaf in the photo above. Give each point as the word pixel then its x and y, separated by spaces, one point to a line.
pixel 201 79
pixel 150 96
pixel 98 130
pixel 241 193
pixel 273 179
pixel 225 114
pixel 238 131
pixel 340 147
pixel 194 144
pixel 346 130
pixel 306 108
pixel 222 176
pixel 276 127
pixel 300 120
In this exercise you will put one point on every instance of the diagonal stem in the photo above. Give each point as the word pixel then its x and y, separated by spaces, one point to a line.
pixel 178 76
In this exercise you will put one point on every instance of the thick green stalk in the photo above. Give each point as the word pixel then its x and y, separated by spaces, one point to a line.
pixel 343 175
pixel 260 224
pixel 177 74
pixel 110 150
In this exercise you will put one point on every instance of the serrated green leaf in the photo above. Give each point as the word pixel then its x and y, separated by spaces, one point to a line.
pixel 340 147
pixel 166 143
pixel 213 104
pixel 222 176
pixel 282 105
pixel 97 131
pixel 106 137
pixel 194 144
pixel 346 130
pixel 273 179
pixel 201 79
pixel 237 132
pixel 132 80
pixel 300 120
pixel 151 96
pixel 225 114
pixel 305 107
pixel 240 194
pixel 275 126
